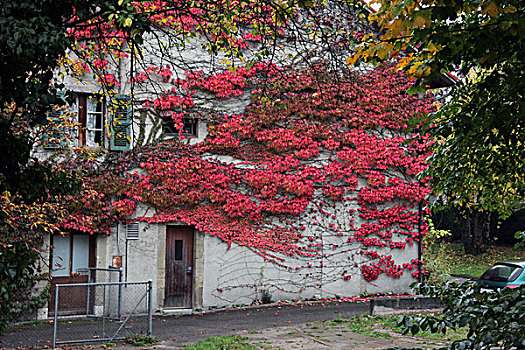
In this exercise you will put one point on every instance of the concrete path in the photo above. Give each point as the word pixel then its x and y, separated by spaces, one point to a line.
pixel 190 329
pixel 286 325
pixel 320 336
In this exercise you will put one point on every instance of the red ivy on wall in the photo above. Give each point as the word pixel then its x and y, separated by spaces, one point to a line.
pixel 314 152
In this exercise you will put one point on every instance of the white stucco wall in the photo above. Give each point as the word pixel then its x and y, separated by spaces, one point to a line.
pixel 232 276
pixel 237 276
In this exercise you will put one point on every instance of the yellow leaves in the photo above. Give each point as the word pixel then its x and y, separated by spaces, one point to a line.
pixel 395 28
pixel 383 50
pixel 410 7
pixel 510 9
pixel 420 22
pixel 382 53
pixel 351 60
pixel 432 48
pixel 373 17
pixel 492 9
pixel 128 22
pixel 20 217
pixel 418 70
pixel 306 4
pixel 364 55
pixel 368 52
pixel 406 61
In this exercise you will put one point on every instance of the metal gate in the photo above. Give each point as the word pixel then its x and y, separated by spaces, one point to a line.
pixel 115 310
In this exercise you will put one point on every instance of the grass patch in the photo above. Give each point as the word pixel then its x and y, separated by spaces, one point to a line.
pixel 367 325
pixel 141 340
pixel 382 326
pixel 233 342
pixel 336 322
pixel 263 346
pixel 464 264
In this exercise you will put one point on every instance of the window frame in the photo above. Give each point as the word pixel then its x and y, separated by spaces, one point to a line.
pixel 189 129
pixel 82 117
pixel 91 257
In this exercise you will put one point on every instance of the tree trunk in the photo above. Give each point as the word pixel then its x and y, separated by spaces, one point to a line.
pixel 479 233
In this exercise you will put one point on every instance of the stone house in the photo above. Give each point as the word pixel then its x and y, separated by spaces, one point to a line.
pixel 191 269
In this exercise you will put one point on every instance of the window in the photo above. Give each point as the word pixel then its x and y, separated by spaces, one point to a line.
pixel 89 114
pixel 189 127
pixel 54 136
pixel 70 255
pixel 89 111
pixel 178 249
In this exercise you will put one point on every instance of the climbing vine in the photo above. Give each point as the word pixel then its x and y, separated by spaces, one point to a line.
pixel 315 154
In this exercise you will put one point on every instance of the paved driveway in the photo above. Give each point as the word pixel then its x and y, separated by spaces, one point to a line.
pixel 272 322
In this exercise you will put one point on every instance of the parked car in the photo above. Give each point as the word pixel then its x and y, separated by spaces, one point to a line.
pixel 506 274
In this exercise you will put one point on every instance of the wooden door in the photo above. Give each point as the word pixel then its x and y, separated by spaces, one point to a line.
pixel 179 267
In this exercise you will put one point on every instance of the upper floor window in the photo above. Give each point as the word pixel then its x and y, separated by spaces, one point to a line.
pixel 189 127
pixel 91 124
pixel 90 112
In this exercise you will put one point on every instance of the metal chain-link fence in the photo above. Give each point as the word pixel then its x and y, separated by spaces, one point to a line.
pixel 111 310
pixel 107 275
pixel 87 312
pixel 110 274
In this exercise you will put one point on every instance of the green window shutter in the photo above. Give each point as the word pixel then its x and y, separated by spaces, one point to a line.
pixel 54 138
pixel 120 125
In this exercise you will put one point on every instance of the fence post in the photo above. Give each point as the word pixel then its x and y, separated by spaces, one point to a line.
pixel 120 294
pixel 104 312
pixel 420 242
pixel 90 280
pixel 150 308
pixel 55 323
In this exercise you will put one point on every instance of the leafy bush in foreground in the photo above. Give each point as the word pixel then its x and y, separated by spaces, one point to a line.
pixel 493 319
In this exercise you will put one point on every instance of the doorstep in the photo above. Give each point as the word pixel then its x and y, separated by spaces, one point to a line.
pixel 176 311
